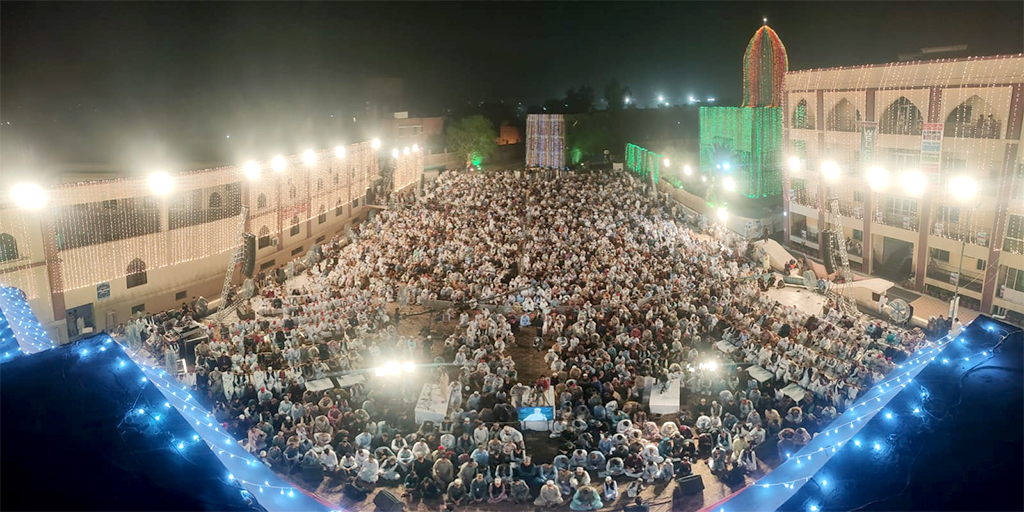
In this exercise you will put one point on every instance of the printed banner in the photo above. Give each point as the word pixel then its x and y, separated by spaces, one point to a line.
pixel 931 150
pixel 103 291
pixel 868 136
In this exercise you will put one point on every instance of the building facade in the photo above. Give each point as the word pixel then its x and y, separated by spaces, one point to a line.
pixel 896 141
pixel 105 250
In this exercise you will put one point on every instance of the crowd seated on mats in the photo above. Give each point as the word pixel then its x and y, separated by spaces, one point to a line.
pixel 604 279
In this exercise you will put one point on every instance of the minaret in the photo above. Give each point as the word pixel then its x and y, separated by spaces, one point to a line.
pixel 764 69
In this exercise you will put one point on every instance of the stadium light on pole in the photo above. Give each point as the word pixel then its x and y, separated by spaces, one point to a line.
pixel 964 188
pixel 309 157
pixel 278 163
pixel 913 182
pixel 252 170
pixel 830 170
pixel 878 178
pixel 29 196
pixel 161 183
pixel 794 164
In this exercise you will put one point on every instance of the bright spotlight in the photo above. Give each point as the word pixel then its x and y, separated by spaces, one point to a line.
pixel 309 157
pixel 704 179
pixel 830 169
pixel 878 178
pixel 380 372
pixel 29 196
pixel 726 166
pixel 661 99
pixel 277 164
pixel 392 368
pixel 687 170
pixel 375 144
pixel 405 151
pixel 339 151
pixel 416 148
pixel 627 100
pixel 394 153
pixel 794 164
pixel 710 366
pixel 964 187
pixel 913 182
pixel 160 183
pixel 252 170
pixel 667 162
pixel 729 184
pixel 723 214
pixel 408 367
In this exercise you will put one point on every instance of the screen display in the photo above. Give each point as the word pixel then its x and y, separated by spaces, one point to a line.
pixel 536 413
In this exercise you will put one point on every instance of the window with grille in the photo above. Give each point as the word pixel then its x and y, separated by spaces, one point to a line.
pixel 938 254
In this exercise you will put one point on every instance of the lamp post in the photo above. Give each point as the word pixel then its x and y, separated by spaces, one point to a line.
pixel 964 188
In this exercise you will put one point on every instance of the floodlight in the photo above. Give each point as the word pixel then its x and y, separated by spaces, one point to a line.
pixel 416 148
pixel 405 151
pixel 160 183
pixel 729 184
pixel 394 153
pixel 794 164
pixel 667 162
pixel 913 182
pixel 339 151
pixel 375 144
pixel 723 214
pixel 251 169
pixel 878 178
pixel 964 187
pixel 278 163
pixel 830 169
pixel 309 157
pixel 29 196
pixel 687 170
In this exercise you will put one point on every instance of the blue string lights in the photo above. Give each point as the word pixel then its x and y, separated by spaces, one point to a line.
pixel 22 334
pixel 802 467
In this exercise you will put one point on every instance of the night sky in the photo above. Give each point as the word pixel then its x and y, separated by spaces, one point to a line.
pixel 127 82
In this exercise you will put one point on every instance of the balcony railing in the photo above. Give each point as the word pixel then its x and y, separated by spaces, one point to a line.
pixel 909 222
pixel 967 281
pixel 852 209
pixel 805 198
pixel 953 232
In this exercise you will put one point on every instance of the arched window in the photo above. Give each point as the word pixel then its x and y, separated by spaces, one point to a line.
pixel 902 117
pixel 136 273
pixel 802 117
pixel 338 208
pixel 261 201
pixel 295 225
pixel 322 217
pixel 843 117
pixel 973 119
pixel 215 200
pixel 8 247
pixel 264 240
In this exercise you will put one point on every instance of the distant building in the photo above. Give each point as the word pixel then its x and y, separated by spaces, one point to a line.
pixel 508 134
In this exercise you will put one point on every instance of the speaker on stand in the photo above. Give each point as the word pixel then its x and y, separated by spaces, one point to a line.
pixel 248 254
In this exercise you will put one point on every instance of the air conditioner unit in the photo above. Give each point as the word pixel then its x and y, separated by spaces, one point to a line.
pixel 275 241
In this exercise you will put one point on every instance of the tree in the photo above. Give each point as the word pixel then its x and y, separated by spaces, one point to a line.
pixel 472 136
pixel 580 100
pixel 615 95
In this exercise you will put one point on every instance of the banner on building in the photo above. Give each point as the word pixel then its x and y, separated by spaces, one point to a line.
pixel 103 291
pixel 931 150
pixel 868 136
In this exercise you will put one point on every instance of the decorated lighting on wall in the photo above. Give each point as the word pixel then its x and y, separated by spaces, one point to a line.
pixel 161 183
pixel 29 196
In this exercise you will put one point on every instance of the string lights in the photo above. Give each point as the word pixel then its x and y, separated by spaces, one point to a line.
pixel 545 141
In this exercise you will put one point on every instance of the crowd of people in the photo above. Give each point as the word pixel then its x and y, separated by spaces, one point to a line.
pixel 585 267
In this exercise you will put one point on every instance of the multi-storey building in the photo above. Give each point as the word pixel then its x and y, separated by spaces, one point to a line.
pixel 105 250
pixel 893 143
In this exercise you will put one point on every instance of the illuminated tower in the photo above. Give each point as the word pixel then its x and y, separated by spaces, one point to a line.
pixel 764 69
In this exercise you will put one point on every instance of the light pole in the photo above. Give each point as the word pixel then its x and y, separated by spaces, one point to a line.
pixel 964 188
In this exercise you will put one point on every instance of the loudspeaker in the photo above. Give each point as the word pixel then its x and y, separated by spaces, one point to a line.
pixel 826 243
pixel 387 501
pixel 690 485
pixel 354 492
pixel 248 254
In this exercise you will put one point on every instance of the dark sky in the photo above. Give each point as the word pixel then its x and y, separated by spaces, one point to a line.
pixel 82 82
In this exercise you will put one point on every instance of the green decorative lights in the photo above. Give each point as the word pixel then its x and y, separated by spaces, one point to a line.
pixel 745 144
pixel 642 162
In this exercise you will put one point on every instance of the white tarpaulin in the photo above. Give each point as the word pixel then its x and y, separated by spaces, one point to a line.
pixel 778 255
